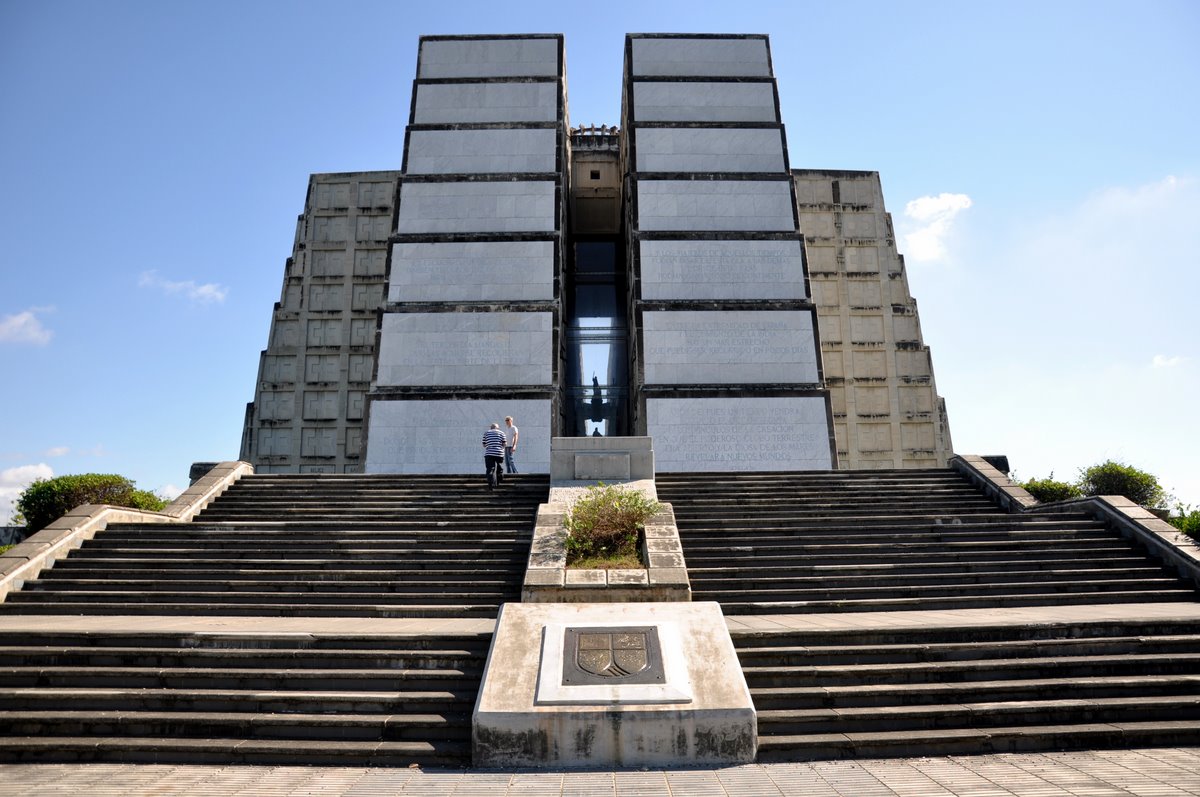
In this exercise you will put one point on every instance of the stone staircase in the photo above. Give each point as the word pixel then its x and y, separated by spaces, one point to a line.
pixel 309 546
pixel 260 686
pixel 849 541
pixel 832 543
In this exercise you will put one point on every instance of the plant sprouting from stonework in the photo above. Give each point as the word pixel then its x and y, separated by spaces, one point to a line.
pixel 605 523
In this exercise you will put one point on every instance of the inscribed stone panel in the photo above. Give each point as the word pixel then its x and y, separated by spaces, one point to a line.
pixel 700 58
pixel 323 296
pixel 356 401
pixel 455 103
pixel 872 400
pixel 367 297
pixel 372 228
pixel 310 468
pixel 362 332
pixel 275 441
pixel 916 435
pixel 370 262
pixel 466 349
pixel 722 270
pixel 329 228
pixel 862 258
pixel 318 442
pixel 716 205
pixel 704 102
pixel 328 262
pixel 322 368
pixel 481 151
pixel 868 365
pixel 375 194
pixel 279 368
pixel 285 334
pixel 360 367
pixel 729 347
pixel 526 206
pixel 276 405
pixel 320 405
pixel 324 332
pixel 712 434
pixel 905 328
pixel 874 437
pixel 472 271
pixel 332 195
pixel 444 436
pixel 866 328
pixel 916 399
pixel 864 293
pixel 709 150
pixel 488 58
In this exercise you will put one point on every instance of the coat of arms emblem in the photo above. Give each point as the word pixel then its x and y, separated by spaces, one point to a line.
pixel 612 655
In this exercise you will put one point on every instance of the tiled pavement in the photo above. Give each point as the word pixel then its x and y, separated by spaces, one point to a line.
pixel 1163 772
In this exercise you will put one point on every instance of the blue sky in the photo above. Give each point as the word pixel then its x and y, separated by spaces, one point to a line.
pixel 1040 161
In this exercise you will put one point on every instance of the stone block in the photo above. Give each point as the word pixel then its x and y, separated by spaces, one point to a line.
pixel 566 450
pixel 683 149
pixel 688 57
pixel 481 151
pixel 470 103
pixel 717 270
pixel 469 271
pixel 754 434
pixel 622 578
pixel 601 466
pixel 526 206
pixel 729 347
pixel 714 205
pixel 459 58
pixel 585 578
pixel 445 436
pixel 465 349
pixel 704 102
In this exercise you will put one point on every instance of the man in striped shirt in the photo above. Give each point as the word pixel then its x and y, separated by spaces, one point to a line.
pixel 493 454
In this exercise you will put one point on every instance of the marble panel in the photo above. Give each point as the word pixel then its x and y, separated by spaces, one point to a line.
pixel 472 271
pixel 465 349
pixel 527 206
pixel 714 205
pixel 488 58
pixel 481 151
pixel 452 103
pixel 746 434
pixel 709 150
pixel 444 436
pixel 700 347
pixel 704 102
pixel 701 57
pixel 703 270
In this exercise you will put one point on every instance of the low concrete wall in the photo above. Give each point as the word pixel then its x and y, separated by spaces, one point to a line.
pixel 1176 549
pixel 24 561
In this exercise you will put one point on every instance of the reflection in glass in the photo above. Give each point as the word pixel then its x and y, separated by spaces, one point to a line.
pixel 597 370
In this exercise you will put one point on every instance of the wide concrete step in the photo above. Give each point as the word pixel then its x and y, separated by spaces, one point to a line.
pixel 43 655
pixel 940 587
pixel 437 597
pixel 740 607
pixel 315 679
pixel 1115 558
pixel 478 587
pixel 263 701
pixel 61 605
pixel 830 579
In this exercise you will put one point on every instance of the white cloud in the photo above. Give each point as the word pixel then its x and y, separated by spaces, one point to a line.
pixel 1163 361
pixel 13 482
pixel 25 327
pixel 928 222
pixel 57 451
pixel 207 293
pixel 170 491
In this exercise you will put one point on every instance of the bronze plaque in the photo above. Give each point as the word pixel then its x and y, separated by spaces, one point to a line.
pixel 629 655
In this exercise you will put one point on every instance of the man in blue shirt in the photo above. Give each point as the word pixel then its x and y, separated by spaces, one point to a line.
pixel 493 454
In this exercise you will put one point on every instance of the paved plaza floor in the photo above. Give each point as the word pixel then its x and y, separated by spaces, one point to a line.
pixel 1159 772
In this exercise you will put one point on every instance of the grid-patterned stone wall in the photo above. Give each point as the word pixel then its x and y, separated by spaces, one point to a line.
pixel 313 377
pixel 887 412
pixel 470 327
pixel 726 365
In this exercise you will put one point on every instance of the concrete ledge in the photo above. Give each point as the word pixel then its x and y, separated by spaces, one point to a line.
pixel 605 459
pixel 1135 522
pixel 24 561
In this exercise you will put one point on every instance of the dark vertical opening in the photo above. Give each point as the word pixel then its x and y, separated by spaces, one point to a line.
pixel 597 338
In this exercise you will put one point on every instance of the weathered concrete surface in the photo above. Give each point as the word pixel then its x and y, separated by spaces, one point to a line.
pixel 716 726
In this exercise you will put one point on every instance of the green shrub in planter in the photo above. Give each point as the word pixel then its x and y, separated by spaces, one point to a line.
pixel 1047 490
pixel 46 500
pixel 1117 478
pixel 603 527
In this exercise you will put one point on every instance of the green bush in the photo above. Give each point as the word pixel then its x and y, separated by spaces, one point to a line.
pixel 1186 520
pixel 1117 478
pixel 1047 490
pixel 46 500
pixel 604 525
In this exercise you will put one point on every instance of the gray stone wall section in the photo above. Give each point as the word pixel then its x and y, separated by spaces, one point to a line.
pixel 698 57
pixel 715 205
pixel 471 103
pixel 472 271
pixel 481 151
pixel 482 57
pixel 444 436
pixel 732 434
pixel 525 206
pixel 450 349
pixel 710 150
pixel 729 347
pixel 704 102
pixel 714 270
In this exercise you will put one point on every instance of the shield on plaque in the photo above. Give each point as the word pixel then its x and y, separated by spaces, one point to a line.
pixel 613 655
